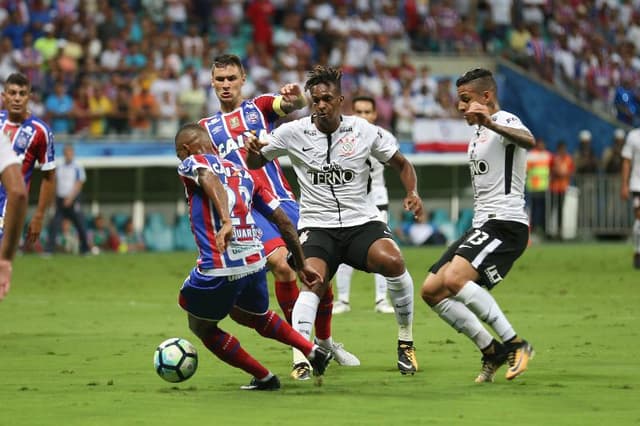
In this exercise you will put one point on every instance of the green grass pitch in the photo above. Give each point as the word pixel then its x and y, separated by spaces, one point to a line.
pixel 77 337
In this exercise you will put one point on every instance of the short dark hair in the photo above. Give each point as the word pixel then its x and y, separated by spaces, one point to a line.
pixel 227 59
pixel 480 76
pixel 18 79
pixel 189 127
pixel 327 75
pixel 364 98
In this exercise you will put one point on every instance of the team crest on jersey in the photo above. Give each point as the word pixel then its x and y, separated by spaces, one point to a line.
pixel 253 117
pixel 22 138
pixel 234 122
pixel 347 145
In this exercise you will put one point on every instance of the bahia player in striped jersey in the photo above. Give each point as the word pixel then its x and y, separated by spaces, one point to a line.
pixel 32 141
pixel 230 277
pixel 226 129
pixel 483 256
pixel 339 223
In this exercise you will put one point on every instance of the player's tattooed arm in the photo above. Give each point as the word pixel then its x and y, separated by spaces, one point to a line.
pixel 216 192
pixel 306 273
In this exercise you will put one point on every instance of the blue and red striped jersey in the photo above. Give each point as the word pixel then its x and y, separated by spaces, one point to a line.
pixel 258 115
pixel 245 252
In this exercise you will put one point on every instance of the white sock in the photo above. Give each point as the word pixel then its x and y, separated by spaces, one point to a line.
pixel 481 303
pixel 463 321
pixel 636 236
pixel 298 357
pixel 381 287
pixel 325 343
pixel 343 282
pixel 401 295
pixel 304 313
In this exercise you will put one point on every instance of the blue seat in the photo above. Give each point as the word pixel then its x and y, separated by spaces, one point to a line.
pixel 183 236
pixel 120 220
pixel 157 235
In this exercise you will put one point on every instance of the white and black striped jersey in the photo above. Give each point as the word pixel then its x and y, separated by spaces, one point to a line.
pixel 378 192
pixel 333 170
pixel 631 151
pixel 498 173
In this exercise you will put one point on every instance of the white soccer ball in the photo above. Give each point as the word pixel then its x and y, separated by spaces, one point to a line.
pixel 175 360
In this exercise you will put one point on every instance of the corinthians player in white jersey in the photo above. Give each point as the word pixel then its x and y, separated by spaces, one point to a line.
pixel 631 186
pixel 499 234
pixel 338 222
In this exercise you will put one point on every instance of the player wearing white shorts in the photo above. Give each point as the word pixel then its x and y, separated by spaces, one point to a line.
pixel 365 107
pixel 631 186
pixel 338 222
pixel 484 254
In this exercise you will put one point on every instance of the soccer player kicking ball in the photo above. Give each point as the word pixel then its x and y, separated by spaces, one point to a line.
pixel 339 223
pixel 230 278
pixel 483 256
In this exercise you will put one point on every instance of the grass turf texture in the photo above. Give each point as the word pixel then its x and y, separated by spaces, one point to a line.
pixel 77 337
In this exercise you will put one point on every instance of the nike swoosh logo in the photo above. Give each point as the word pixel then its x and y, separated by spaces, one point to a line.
pixel 307 148
pixel 304 322
pixel 402 306
pixel 464 246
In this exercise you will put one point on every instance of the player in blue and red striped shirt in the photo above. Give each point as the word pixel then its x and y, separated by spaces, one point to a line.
pixel 32 141
pixel 225 129
pixel 230 277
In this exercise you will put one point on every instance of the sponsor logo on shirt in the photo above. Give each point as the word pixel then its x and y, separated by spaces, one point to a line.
pixel 331 174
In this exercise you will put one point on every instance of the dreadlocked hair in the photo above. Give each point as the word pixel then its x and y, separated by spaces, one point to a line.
pixel 327 75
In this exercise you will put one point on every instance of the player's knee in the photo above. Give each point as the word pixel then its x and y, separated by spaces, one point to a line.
pixel 431 290
pixel 201 328
pixel 389 265
pixel 453 281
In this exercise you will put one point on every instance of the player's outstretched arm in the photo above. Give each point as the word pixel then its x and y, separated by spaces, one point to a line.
pixel 216 192
pixel 412 201
pixel 253 145
pixel 292 98
pixel 16 210
pixel 306 273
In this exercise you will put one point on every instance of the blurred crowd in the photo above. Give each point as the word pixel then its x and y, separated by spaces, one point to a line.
pixel 142 67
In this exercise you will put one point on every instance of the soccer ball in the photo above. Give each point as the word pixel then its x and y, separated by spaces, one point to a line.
pixel 175 360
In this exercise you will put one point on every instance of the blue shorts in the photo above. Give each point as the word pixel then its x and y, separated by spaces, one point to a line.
pixel 271 238
pixel 212 298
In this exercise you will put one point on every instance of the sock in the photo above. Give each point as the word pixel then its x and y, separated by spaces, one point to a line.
pixel 287 294
pixel 343 282
pixel 401 295
pixel 228 349
pixel 323 315
pixel 481 303
pixel 270 325
pixel 381 287
pixel 304 313
pixel 458 316
pixel 636 236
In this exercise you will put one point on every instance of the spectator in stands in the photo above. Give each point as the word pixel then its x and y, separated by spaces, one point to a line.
pixel 131 241
pixel 9 59
pixel 59 108
pixel 585 158
pixel 103 236
pixel 118 118
pixel 405 115
pixel 562 169
pixel 630 186
pixel 143 111
pixel 612 155
pixel 422 233
pixel 537 185
pixel 100 107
